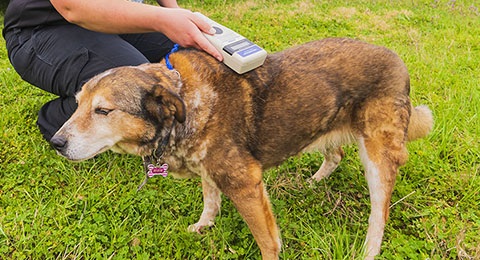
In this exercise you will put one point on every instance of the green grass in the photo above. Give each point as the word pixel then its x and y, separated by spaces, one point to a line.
pixel 54 209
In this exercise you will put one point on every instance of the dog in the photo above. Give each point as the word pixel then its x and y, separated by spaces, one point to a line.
pixel 204 120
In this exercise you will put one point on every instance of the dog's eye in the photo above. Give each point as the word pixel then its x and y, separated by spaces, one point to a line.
pixel 102 111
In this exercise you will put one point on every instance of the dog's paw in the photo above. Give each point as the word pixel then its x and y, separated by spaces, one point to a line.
pixel 198 227
pixel 315 179
pixel 320 175
pixel 314 182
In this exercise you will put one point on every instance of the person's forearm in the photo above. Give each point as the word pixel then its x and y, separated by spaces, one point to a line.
pixel 112 16
pixel 121 17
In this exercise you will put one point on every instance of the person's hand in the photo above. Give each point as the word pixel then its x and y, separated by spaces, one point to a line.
pixel 185 28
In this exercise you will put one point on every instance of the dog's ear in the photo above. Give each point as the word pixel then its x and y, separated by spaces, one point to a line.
pixel 171 101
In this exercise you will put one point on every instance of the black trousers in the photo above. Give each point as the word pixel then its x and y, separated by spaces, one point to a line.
pixel 60 59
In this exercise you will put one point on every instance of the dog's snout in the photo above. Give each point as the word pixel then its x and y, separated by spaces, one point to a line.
pixel 59 142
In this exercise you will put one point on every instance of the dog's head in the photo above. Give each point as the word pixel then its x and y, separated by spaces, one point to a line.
pixel 126 109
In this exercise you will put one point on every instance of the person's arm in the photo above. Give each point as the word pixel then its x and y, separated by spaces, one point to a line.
pixel 120 17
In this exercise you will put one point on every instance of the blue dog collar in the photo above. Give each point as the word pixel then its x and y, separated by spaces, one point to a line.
pixel 167 57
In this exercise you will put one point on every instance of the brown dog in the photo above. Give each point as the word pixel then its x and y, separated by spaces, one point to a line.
pixel 205 120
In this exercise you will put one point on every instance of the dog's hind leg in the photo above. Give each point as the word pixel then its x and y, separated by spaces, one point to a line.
pixel 382 148
pixel 211 205
pixel 332 157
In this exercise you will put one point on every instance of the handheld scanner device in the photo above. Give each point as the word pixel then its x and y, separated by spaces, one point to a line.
pixel 238 52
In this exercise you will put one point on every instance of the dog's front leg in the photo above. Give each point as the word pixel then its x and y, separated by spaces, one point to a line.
pixel 211 205
pixel 246 190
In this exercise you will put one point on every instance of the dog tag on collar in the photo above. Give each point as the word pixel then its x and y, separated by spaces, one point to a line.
pixel 152 171
pixel 156 170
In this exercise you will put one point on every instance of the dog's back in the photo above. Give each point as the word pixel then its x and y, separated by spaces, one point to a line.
pixel 319 88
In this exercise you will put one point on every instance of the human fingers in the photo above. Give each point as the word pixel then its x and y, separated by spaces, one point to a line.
pixel 201 41
pixel 202 24
pixel 203 44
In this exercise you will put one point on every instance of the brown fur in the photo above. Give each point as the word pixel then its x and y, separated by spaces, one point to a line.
pixel 231 127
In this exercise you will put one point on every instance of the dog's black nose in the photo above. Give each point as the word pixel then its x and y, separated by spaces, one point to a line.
pixel 58 142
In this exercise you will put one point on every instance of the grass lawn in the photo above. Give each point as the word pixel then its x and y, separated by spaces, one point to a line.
pixel 54 209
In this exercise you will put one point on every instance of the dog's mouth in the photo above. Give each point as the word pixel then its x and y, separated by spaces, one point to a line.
pixel 78 157
pixel 76 153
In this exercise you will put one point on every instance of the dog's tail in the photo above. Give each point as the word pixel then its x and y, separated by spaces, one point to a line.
pixel 421 122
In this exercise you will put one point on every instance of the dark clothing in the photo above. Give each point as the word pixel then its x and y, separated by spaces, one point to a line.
pixel 28 13
pixel 59 57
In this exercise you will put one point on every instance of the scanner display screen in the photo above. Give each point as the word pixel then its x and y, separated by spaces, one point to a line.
pixel 236 46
